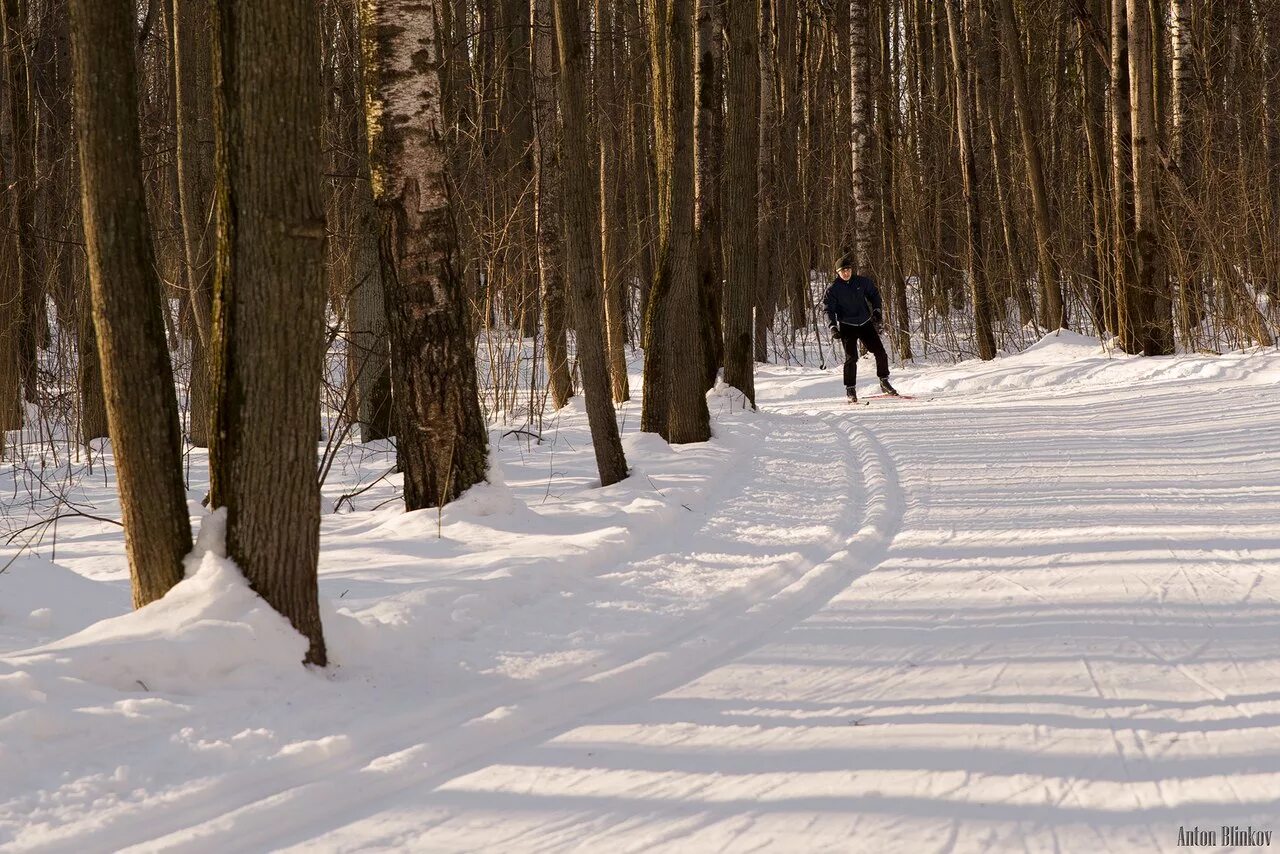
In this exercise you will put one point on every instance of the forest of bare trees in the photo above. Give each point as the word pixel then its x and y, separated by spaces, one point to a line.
pixel 259 225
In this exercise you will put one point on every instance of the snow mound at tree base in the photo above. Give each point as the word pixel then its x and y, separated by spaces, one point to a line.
pixel 210 630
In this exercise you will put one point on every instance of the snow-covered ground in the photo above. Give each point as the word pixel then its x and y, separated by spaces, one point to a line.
pixel 1033 609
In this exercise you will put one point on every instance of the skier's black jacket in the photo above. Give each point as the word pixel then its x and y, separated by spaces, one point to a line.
pixel 853 302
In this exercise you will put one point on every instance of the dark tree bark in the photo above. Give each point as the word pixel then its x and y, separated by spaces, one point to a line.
pixel 141 404
pixel 767 233
pixel 1154 329
pixel 710 131
pixel 1122 242
pixel 93 402
pixel 581 220
pixel 899 315
pixel 193 90
pixel 1093 74
pixel 741 192
pixel 268 330
pixel 675 403
pixel 1184 151
pixel 22 179
pixel 1052 309
pixel 643 201
pixel 354 268
pixel 792 266
pixel 441 433
pixel 60 212
pixel 517 138
pixel 975 262
pixel 547 198
pixel 1271 38
pixel 11 414
pixel 861 101
pixel 611 173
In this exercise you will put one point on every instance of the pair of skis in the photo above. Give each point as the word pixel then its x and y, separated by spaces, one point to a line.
pixel 866 401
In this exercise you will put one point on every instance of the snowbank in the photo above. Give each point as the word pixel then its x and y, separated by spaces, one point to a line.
pixel 209 632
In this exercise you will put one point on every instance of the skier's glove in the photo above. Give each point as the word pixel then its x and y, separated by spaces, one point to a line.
pixel 877 317
pixel 835 333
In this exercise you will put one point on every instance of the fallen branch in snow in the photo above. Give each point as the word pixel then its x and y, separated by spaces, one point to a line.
pixel 520 431
pixel 337 505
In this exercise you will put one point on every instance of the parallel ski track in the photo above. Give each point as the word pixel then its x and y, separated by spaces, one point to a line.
pixel 269 810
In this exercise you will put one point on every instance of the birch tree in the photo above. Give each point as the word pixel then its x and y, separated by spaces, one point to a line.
pixel 442 438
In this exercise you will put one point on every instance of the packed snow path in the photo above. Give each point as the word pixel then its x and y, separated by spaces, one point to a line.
pixel 1072 644
pixel 1037 612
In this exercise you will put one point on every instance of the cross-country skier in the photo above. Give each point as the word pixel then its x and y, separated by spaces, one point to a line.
pixel 854 311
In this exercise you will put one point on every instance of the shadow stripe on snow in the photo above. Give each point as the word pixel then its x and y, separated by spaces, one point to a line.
pixel 304 813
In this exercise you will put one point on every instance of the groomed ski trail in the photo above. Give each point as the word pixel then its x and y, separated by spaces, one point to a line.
pixel 793 557
pixel 1070 644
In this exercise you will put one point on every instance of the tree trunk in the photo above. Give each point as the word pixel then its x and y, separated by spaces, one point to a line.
pixel 517 136
pixel 142 407
pixel 862 100
pixel 11 414
pixel 1052 309
pixel 947 227
pixel 546 142
pixel 899 314
pixel 268 332
pixel 1184 152
pixel 581 219
pixel 741 191
pixel 767 253
pixel 442 438
pixel 611 227
pixel 975 262
pixel 1154 330
pixel 93 403
pixel 354 268
pixel 195 153
pixel 675 403
pixel 1271 25
pixel 1125 274
pixel 643 157
pixel 22 179
pixel 1093 75
pixel 710 132
pixel 792 268
pixel 61 213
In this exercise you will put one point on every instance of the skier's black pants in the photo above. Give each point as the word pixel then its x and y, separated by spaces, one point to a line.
pixel 866 333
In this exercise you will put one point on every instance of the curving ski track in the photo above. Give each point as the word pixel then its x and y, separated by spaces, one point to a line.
pixel 1067 644
pixel 269 812
pixel 1027 621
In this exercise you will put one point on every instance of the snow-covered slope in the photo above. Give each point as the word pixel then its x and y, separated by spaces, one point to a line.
pixel 1035 608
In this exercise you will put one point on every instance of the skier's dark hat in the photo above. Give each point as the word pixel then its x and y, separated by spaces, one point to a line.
pixel 844 263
